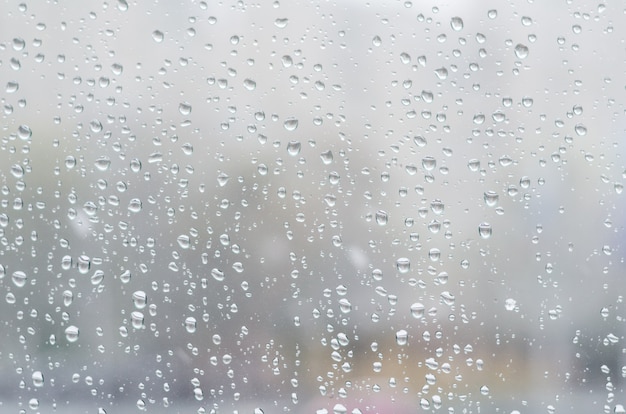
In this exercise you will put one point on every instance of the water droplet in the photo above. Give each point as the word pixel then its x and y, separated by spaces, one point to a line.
pixel 491 198
pixel 429 163
pixel 527 101
pixel 492 14
pixel 97 277
pixel 484 229
pixel 135 205
pixel 447 298
pixel 527 21
pixel 68 297
pixel 403 265
pixel 95 126
pixel 457 24
pixel 291 124
pixel 442 73
pixel 183 241
pixel 24 132
pixel 38 379
pixel 12 87
pixel 33 403
pixel 281 23
pixel 190 324
pixel 521 51
pixel 126 276
pixel 249 84
pixel 217 274
pixel 293 148
pixel 377 41
pixel 103 163
pixel 184 108
pixel 327 157
pixel 157 36
pixel 417 310
pixel 71 333
pixel 381 217
pixel 510 304
pixel 19 278
pixel 402 337
pixel 136 319
pixel 473 165
pixel 18 44
pixel 580 129
pixel 437 207
pixel 122 5
pixel 140 299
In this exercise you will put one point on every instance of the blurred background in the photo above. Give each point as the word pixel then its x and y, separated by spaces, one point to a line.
pixel 325 207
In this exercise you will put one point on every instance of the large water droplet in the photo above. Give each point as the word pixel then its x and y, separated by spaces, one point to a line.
pixel 183 241
pixel 382 217
pixel 157 36
pixel 484 229
pixel 19 278
pixel 521 51
pixel 103 163
pixel 190 324
pixel 293 148
pixel 291 124
pixel 136 319
pixel 140 299
pixel 184 108
pixel 402 337
pixel 71 333
pixel 417 310
pixel 249 84
pixel 403 265
pixel 456 23
pixel 491 198
pixel 37 379
pixel 24 132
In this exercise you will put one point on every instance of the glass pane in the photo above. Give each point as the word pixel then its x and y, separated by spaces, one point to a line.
pixel 327 207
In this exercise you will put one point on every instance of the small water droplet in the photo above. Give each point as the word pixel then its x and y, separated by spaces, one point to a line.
pixel 12 87
pixel 327 157
pixel 72 333
pixel 377 41
pixel 68 297
pixel 580 129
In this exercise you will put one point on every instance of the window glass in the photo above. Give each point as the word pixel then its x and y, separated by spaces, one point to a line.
pixel 326 207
